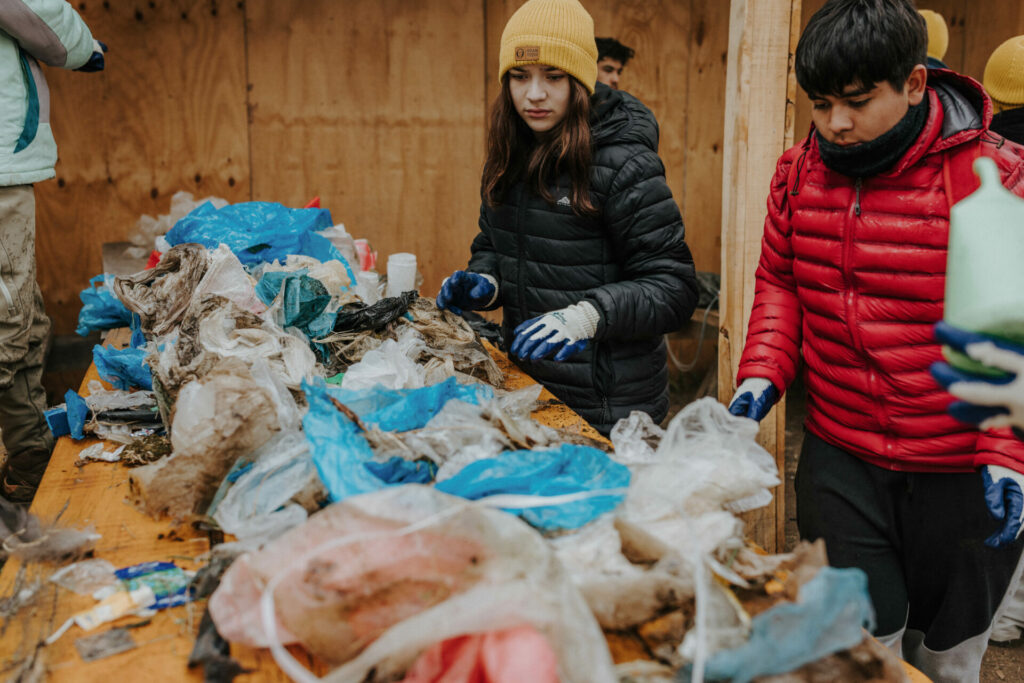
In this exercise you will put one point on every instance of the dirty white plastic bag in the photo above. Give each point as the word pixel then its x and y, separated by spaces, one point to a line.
pixel 391 365
pixel 226 277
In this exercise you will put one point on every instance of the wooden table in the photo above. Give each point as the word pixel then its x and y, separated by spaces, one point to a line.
pixel 96 495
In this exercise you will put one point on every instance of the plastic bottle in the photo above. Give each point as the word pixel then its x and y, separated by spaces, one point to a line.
pixel 985 267
pixel 401 273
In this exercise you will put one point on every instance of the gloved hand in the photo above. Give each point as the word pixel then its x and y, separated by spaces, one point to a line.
pixel 989 402
pixel 754 398
pixel 1004 496
pixel 96 61
pixel 564 332
pixel 467 291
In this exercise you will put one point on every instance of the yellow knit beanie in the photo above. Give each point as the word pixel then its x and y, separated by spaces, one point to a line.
pixel 558 33
pixel 938 33
pixel 1004 73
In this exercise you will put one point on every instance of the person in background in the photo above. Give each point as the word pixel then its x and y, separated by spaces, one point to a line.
pixel 1004 81
pixel 580 241
pixel 938 39
pixel 851 281
pixel 612 57
pixel 31 31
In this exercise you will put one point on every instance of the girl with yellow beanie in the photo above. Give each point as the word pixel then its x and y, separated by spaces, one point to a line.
pixel 580 241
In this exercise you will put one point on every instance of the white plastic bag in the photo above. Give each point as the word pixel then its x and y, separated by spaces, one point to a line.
pixel 226 277
pixel 391 365
pixel 370 582
pixel 635 439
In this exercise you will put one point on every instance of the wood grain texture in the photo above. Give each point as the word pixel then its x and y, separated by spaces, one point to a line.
pixel 758 127
pixel 987 25
pixel 167 114
pixel 377 107
pixel 96 495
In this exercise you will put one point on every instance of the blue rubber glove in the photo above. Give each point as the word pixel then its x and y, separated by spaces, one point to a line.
pixel 754 398
pixel 989 402
pixel 564 333
pixel 465 291
pixel 1004 497
pixel 96 61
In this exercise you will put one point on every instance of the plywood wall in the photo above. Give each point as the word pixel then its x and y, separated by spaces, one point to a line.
pixel 378 106
pixel 975 30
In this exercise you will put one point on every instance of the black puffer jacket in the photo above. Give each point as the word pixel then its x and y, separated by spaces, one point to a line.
pixel 630 261
pixel 1010 124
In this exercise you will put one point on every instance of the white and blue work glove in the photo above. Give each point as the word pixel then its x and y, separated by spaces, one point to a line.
pixel 465 291
pixel 96 61
pixel 564 332
pixel 989 402
pixel 1004 497
pixel 754 398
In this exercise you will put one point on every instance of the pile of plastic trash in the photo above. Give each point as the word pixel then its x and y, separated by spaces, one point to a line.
pixel 402 516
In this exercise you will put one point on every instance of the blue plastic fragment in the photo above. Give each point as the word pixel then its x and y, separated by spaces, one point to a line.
pixel 57 420
pixel 567 469
pixel 830 616
pixel 77 411
pixel 401 471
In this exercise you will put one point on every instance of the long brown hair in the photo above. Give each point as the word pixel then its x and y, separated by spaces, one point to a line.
pixel 513 152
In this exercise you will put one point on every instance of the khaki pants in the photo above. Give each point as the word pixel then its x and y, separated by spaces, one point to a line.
pixel 23 330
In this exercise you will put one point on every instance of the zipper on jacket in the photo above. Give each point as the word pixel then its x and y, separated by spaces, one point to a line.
pixel 521 250
pixel 856 206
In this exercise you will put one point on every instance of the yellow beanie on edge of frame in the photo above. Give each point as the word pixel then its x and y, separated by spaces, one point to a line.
pixel 1004 73
pixel 938 33
pixel 558 33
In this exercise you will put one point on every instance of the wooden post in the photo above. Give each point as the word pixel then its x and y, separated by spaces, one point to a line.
pixel 759 110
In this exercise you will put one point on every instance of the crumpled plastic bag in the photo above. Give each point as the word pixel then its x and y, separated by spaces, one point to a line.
pixel 392 365
pixel 635 439
pixel 371 582
pixel 563 470
pixel 257 231
pixel 150 229
pixel 226 277
pixel 335 274
pixel 511 655
pixel 301 301
pixel 357 317
pixel 217 419
pixel 123 368
pixel 830 615
pixel 101 310
pixel 261 503
pixel 343 242
pixel 161 295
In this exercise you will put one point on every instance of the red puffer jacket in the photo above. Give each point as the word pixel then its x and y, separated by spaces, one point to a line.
pixel 852 274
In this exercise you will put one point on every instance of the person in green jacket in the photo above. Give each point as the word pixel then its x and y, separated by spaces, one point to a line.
pixel 31 31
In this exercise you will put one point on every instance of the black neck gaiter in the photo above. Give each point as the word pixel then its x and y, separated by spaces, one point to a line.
pixel 879 155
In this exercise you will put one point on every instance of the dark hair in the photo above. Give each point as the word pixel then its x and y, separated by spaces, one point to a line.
pixel 860 42
pixel 609 47
pixel 514 152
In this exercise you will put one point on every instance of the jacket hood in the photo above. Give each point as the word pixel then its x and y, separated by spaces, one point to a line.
pixel 619 118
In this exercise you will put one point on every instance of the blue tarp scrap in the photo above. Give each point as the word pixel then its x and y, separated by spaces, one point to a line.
pixel 123 368
pixel 401 471
pixel 830 616
pixel 259 232
pixel 101 310
pixel 567 469
pixel 77 411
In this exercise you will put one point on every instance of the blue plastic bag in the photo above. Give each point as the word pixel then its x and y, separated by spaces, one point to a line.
pixel 567 469
pixel 343 457
pixel 258 232
pixel 124 368
pixel 832 612
pixel 305 300
pixel 399 410
pixel 101 310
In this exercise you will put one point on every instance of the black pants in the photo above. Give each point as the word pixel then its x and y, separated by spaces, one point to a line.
pixel 920 539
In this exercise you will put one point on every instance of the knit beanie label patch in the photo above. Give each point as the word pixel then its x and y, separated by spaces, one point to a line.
pixel 527 53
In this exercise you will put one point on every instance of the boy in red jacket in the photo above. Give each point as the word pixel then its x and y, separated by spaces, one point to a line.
pixel 852 277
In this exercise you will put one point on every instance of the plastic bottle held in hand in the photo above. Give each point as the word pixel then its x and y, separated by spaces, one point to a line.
pixel 985 269
pixel 401 273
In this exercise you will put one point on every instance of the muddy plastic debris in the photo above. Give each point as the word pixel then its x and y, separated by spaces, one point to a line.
pixel 161 294
pixel 98 453
pixel 358 317
pixel 217 419
pixel 106 644
pixel 145 450
pixel 213 653
pixel 26 537
pixel 226 277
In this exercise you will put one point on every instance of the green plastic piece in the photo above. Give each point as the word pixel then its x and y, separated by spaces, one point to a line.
pixel 336 379
pixel 985 268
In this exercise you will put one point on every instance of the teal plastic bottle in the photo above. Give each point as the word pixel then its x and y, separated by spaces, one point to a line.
pixel 985 266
